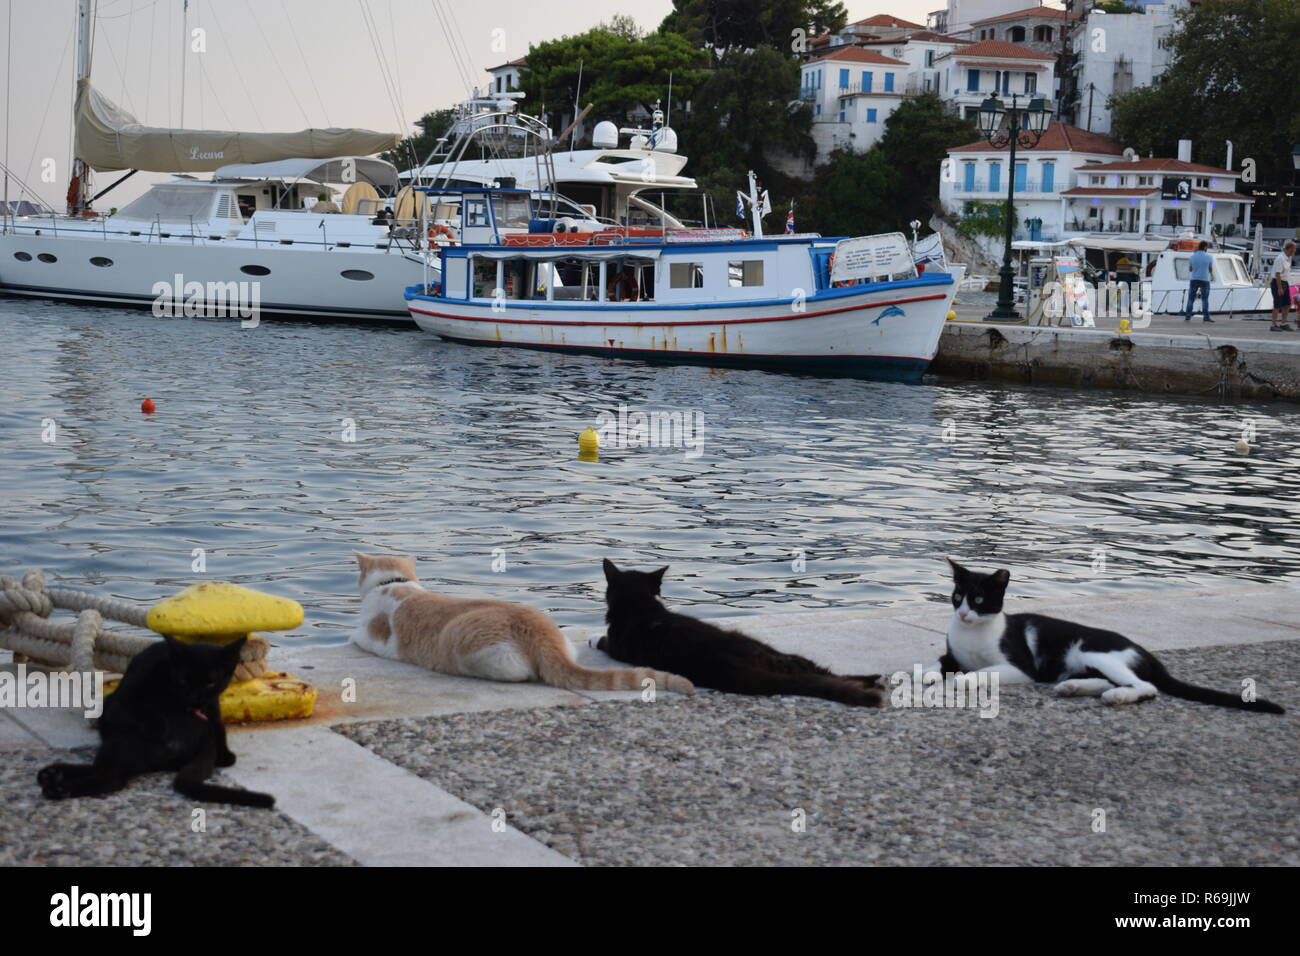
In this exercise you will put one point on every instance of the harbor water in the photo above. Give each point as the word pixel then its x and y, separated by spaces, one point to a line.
pixel 276 452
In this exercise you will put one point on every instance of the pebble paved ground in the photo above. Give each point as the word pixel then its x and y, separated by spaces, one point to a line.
pixel 720 779
pixel 147 824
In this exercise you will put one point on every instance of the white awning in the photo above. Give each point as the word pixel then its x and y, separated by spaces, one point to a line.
pixel 374 171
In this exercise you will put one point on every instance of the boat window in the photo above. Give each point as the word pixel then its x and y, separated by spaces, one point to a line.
pixel 745 273
pixel 359 275
pixel 1182 268
pixel 686 275
pixel 47 257
pixel 485 278
pixel 476 212
pixel 102 261
pixel 512 211
pixel 255 270
pixel 167 203
pixel 1229 270
pixel 23 256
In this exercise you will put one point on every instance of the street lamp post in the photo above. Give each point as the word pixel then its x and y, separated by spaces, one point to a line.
pixel 1017 126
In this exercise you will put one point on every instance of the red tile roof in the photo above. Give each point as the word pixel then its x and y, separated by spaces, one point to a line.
pixel 1029 12
pixel 885 20
pixel 1002 49
pixel 855 54
pixel 1215 194
pixel 522 61
pixel 1060 137
pixel 1161 165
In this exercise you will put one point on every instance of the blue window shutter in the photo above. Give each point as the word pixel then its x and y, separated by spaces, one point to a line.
pixel 972 81
pixel 995 177
pixel 844 79
pixel 1021 170
pixel 871 116
pixel 1049 177
pixel 866 81
pixel 969 184
pixel 889 82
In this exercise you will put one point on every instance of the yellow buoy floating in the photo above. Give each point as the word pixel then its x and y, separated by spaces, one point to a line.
pixel 219 612
pixel 589 445
pixel 1125 327
pixel 951 315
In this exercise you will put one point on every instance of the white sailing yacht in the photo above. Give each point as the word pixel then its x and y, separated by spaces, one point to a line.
pixel 249 223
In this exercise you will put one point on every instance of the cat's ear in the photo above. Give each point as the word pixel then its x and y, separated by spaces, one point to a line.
pixel 611 573
pixel 957 569
pixel 658 577
pixel 362 559
pixel 234 647
pixel 1000 577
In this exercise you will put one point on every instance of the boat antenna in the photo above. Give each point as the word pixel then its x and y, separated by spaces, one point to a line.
pixel 577 98
pixel 668 114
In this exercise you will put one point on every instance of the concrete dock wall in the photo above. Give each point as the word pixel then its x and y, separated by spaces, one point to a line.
pixel 1151 361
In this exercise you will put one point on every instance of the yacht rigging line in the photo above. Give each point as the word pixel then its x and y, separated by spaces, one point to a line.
pixel 306 66
pixel 372 29
pixel 239 74
pixel 276 60
pixel 466 76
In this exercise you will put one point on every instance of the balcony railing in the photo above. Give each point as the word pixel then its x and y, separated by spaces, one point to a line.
pixel 981 186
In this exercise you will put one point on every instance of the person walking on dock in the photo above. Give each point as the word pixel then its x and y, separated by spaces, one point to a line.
pixel 1200 263
pixel 1279 283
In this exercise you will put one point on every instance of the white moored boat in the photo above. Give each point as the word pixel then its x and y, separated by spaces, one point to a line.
pixel 852 306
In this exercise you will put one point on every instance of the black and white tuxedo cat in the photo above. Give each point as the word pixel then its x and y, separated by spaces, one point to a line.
pixel 1082 661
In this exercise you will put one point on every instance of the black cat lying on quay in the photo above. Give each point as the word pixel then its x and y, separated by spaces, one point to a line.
pixel 644 633
pixel 163 716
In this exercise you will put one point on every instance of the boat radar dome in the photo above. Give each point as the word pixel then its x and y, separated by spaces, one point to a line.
pixel 605 136
pixel 666 139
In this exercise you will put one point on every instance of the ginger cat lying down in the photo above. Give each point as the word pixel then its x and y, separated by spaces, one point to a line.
pixel 492 640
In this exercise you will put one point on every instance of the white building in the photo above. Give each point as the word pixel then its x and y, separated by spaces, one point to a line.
pixel 1163 197
pixel 977 173
pixel 961 15
pixel 1075 182
pixel 1040 28
pixel 975 71
pixel 506 76
pixel 852 90
pixel 1116 53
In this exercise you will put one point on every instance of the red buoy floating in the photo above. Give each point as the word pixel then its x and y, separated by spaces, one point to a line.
pixel 148 407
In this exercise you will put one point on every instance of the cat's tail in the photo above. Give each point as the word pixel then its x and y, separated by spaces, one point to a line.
pixel 212 793
pixel 1204 695
pixel 844 690
pixel 559 670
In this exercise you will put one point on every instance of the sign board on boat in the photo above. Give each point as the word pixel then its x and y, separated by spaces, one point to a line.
pixel 872 257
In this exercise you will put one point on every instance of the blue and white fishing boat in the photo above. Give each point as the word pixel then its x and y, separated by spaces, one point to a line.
pixel 855 306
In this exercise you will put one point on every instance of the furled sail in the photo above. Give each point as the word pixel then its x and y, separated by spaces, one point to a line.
pixel 110 138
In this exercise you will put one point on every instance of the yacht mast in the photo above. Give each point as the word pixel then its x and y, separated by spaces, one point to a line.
pixel 79 193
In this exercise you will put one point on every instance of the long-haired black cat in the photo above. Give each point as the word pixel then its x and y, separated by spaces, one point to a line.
pixel 644 633
pixel 1081 661
pixel 164 716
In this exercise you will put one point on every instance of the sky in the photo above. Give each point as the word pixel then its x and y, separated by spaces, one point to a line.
pixel 276 65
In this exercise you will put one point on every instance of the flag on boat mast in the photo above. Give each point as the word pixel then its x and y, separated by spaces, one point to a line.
pixel 765 204
pixel 740 204
pixel 789 219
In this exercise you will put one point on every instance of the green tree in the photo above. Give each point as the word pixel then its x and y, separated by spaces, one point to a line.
pixel 415 149
pixel 619 72
pixel 741 115
pixel 857 194
pixel 917 138
pixel 985 219
pixel 748 24
pixel 1229 78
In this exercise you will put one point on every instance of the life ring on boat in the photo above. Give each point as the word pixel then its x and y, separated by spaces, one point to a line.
pixel 625 284
pixel 439 230
pixel 435 289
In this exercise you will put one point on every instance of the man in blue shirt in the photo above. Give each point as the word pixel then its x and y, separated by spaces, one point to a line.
pixel 1201 264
